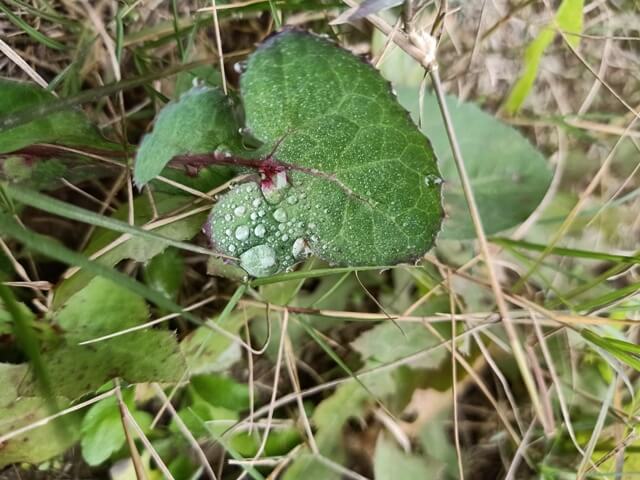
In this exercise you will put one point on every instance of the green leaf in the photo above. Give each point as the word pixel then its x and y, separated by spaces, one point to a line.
pixel 32 32
pixel 102 431
pixel 39 444
pixel 136 357
pixel 65 127
pixel 49 173
pixel 11 376
pixel 568 19
pixel 165 273
pixel 391 463
pixel 385 343
pixel 222 391
pixel 101 308
pixel 509 176
pixel 364 188
pixel 200 122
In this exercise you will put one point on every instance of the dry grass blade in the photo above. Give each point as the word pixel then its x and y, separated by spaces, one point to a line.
pixel 133 449
pixel 204 461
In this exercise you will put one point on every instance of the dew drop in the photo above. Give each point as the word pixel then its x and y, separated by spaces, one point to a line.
pixel 228 232
pixel 280 215
pixel 239 211
pixel 292 199
pixel 239 67
pixel 242 232
pixel 259 231
pixel 298 248
pixel 432 179
pixel 228 217
pixel 259 261
pixel 254 216
pixel 256 203
pixel 284 238
pixel 232 248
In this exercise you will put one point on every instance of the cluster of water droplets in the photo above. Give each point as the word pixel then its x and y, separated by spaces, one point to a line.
pixel 267 236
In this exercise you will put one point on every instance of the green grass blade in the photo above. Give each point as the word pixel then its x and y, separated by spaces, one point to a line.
pixel 623 351
pixel 29 30
pixel 62 209
pixel 569 19
pixel 609 298
pixel 320 272
pixel 27 340
pixel 566 252
pixel 52 249
pixel 27 115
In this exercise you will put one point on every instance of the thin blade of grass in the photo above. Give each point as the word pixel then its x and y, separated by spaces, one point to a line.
pixel 320 272
pixel 566 252
pixel 32 32
pixel 66 210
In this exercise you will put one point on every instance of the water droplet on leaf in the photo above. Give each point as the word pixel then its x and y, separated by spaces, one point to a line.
pixel 259 261
pixel 259 231
pixel 242 232
pixel 280 215
pixel 432 179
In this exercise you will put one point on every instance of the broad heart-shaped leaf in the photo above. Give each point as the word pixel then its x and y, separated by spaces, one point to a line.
pixel 364 187
pixel 102 432
pixel 508 175
pixel 200 122
pixel 67 127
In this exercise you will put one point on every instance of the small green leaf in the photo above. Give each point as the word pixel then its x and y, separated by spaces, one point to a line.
pixel 102 431
pixel 568 19
pixel 165 272
pixel 364 188
pixel 509 176
pixel 222 391
pixel 65 127
pixel 200 122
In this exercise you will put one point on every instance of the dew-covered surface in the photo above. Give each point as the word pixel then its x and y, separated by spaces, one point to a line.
pixel 367 190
